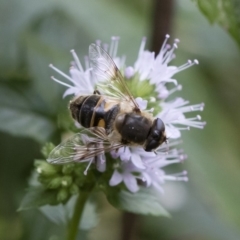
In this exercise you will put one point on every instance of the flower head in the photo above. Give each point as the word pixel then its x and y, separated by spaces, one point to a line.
pixel 146 79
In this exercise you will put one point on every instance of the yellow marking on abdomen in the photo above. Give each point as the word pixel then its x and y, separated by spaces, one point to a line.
pixel 101 123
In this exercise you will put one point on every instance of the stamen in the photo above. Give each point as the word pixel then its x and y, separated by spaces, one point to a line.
pixel 168 56
pixel 122 60
pixel 142 46
pixel 89 164
pixel 183 173
pixel 198 107
pixel 192 108
pixel 173 90
pixel 61 73
pixel 167 160
pixel 198 117
pixel 172 178
pixel 190 123
pixel 62 83
pixel 177 176
pixel 161 150
pixel 188 64
pixel 115 47
pixel 183 157
pixel 170 162
pixel 105 47
pixel 76 59
pixel 112 46
pixel 182 128
pixel 167 36
pixel 184 66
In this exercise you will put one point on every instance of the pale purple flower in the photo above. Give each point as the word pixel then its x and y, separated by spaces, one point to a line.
pixel 173 115
pixel 157 68
pixel 126 176
pixel 135 166
pixel 152 173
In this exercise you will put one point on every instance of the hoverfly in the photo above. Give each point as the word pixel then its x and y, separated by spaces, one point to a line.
pixel 111 117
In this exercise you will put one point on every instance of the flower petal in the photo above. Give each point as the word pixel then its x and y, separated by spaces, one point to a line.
pixel 129 72
pixel 116 178
pixel 172 132
pixel 101 163
pixel 142 103
pixel 137 161
pixel 130 182
pixel 146 179
pixel 125 156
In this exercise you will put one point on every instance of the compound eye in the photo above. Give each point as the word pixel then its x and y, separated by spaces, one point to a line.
pixel 156 134
pixel 159 125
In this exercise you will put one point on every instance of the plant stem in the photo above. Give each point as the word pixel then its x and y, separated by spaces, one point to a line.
pixel 77 214
pixel 162 13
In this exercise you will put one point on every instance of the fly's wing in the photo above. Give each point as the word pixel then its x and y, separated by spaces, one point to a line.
pixel 111 81
pixel 82 147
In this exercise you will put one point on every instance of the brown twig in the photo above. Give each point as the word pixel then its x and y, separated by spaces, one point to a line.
pixel 161 22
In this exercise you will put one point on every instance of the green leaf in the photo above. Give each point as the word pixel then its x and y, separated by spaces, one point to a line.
pixel 22 113
pixel 61 214
pixel 145 201
pixel 36 197
pixel 225 13
pixel 89 217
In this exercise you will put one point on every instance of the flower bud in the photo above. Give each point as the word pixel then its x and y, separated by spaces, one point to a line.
pixel 74 189
pixel 62 195
pixel 47 148
pixel 66 181
pixel 44 180
pixel 44 168
pixel 54 183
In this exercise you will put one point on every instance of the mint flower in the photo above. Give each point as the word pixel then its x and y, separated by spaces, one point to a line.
pixel 146 79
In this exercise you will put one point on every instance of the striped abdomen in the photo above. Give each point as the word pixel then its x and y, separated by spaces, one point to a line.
pixel 94 111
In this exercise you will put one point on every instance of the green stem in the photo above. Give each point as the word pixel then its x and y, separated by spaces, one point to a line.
pixel 78 210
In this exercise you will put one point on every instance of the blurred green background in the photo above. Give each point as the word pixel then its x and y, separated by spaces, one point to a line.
pixel 36 33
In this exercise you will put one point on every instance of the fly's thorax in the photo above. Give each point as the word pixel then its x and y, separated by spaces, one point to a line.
pixel 114 136
pixel 133 127
pixel 126 106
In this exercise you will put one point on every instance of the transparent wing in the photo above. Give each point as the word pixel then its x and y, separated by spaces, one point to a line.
pixel 111 81
pixel 82 147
